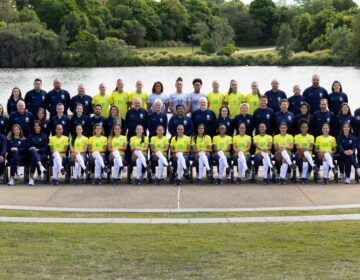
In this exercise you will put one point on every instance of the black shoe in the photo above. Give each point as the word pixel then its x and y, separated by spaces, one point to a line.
pixel 210 173
pixel 199 182
pixel 107 169
pixel 55 182
pixel 97 181
pixel 316 169
pixel 281 181
pixel 157 182
pixel 137 182
pixel 325 181
pixel 334 170
pixel 63 172
pixel 273 170
pixel 293 166
pixel 266 181
pixel 186 174
pixel 247 173
pixel 177 182
pixel 75 182
pixel 303 181
pixel 116 182
pixel 219 182
pixel 87 171
pixel 238 181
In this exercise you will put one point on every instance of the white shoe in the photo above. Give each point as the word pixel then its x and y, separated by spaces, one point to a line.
pixel 347 181
pixel 82 177
pixel 18 172
pixel 341 177
pixel 31 182
pixel 124 169
pixel 11 182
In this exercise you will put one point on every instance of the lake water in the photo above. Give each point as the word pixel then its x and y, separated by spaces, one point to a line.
pixel 92 77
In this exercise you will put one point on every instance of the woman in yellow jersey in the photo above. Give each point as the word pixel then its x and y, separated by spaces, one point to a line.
pixel 59 146
pixel 97 150
pixel 325 148
pixel 180 149
pixel 143 96
pixel 222 145
pixel 284 145
pixel 234 99
pixel 159 146
pixel 241 147
pixel 117 145
pixel 139 145
pixel 119 98
pixel 263 144
pixel 78 149
pixel 304 143
pixel 253 98
pixel 201 148
pixel 215 98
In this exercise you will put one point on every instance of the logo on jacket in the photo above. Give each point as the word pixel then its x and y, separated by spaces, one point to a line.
pixel 141 115
pixel 62 96
pixel 267 116
pixel 208 117
pixel 27 119
pixel 86 102
pixel 321 94
pixel 328 119
pixel 185 122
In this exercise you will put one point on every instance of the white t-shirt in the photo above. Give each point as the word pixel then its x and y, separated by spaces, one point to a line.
pixel 163 97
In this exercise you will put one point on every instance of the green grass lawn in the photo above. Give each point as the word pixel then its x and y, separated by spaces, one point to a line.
pixel 56 214
pixel 325 250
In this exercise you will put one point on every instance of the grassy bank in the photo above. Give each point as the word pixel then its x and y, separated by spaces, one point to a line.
pixel 328 250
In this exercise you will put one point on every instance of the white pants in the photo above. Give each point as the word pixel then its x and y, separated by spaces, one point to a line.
pixel 223 164
pixel 327 162
pixel 118 163
pixel 162 161
pixel 99 163
pixel 309 158
pixel 57 164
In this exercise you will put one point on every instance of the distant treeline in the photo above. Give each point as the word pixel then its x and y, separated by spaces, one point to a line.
pixel 50 33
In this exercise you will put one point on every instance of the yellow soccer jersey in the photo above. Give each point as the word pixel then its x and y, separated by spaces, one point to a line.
pixel 304 142
pixel 262 141
pixel 104 101
pixel 182 144
pixel 118 142
pixel 159 143
pixel 241 142
pixel 143 96
pixel 222 143
pixel 254 102
pixel 284 141
pixel 98 143
pixel 325 144
pixel 136 142
pixel 215 101
pixel 120 100
pixel 59 143
pixel 80 144
pixel 234 101
pixel 201 142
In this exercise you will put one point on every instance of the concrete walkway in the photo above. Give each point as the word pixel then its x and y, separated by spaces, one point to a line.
pixel 277 219
pixel 169 198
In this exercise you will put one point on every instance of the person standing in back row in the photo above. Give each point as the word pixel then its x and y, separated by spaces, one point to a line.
pixel 196 95
pixel 56 96
pixel 314 94
pixel 102 99
pixel 35 98
pixel 275 95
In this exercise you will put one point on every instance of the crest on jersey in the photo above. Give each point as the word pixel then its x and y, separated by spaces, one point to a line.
pixel 341 99
pixel 161 119
pixel 185 121
pixel 19 142
pixel 27 119
pixel 328 119
pixel 268 116
pixel 141 115
pixel 321 94
pixel 289 117
pixel 43 97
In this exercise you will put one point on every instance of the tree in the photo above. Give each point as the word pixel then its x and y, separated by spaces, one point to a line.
pixel 199 32
pixel 222 34
pixel 303 30
pixel 85 47
pixel 340 41
pixel 28 15
pixel 74 22
pixel 110 51
pixel 8 11
pixel 283 42
pixel 356 38
pixel 135 32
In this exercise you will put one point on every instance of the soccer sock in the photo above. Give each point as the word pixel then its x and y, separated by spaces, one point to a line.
pixel 80 160
pixel 179 168
pixel 117 158
pixel 56 170
pixel 305 168
pixel 283 170
pixel 138 168
pixel 326 169
pixel 181 159
pixel 309 158
pixel 162 158
pixel 58 159
pixel 97 169
pixel 98 158
pixel 240 167
pixel 243 160
pixel 267 158
pixel 286 157
pixel 329 160
pixel 140 155
pixel 160 169
pixel 266 168
pixel 205 160
pixel 116 168
pixel 223 159
pixel 221 168
pixel 201 168
pixel 76 170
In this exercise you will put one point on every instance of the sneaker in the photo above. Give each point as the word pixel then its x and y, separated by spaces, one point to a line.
pixel 63 172
pixel 266 181
pixel 97 181
pixel 199 182
pixel 177 182
pixel 19 172
pixel 31 182
pixel 107 169
pixel 347 181
pixel 325 181
pixel 137 182
pixel 238 181
pixel 228 174
pixel 75 182
pixel 55 182
pixel 334 170
pixel 293 166
pixel 11 182
pixel 157 182
pixel 303 181
pixel 219 181
pixel 282 181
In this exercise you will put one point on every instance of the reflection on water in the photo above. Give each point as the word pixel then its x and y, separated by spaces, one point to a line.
pixel 91 77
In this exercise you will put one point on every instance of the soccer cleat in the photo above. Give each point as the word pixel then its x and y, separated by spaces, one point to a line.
pixel 55 182
pixel 137 182
pixel 238 181
pixel 347 181
pixel 63 172
pixel 75 182
pixel 219 181
pixel 266 181
pixel 325 181
pixel 11 182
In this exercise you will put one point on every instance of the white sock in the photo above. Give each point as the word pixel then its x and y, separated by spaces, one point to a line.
pixel 138 168
pixel 56 170
pixel 162 158
pixel 179 168
pixel 160 169
pixel 117 158
pixel 286 157
pixel 76 169
pixel 283 170
pixel 266 168
pixel 329 159
pixel 140 156
pixel 305 168
pixel 222 158
pixel 98 169
pixel 240 167
pixel 267 158
pixel 221 168
pixel 116 168
pixel 58 159
pixel 98 158
pixel 201 168
pixel 309 158
pixel 80 160
pixel 243 160
pixel 181 159
pixel 326 169
pixel 205 160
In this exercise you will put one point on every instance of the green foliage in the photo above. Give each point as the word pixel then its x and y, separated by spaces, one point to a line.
pixel 356 38
pixel 283 42
pixel 28 45
pixel 110 51
pixel 135 32
pixel 228 50
pixel 222 34
pixel 207 47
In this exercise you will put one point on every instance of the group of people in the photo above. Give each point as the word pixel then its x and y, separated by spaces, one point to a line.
pixel 118 132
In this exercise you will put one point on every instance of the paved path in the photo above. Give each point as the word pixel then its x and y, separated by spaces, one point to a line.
pixel 279 219
pixel 256 50
pixel 170 198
